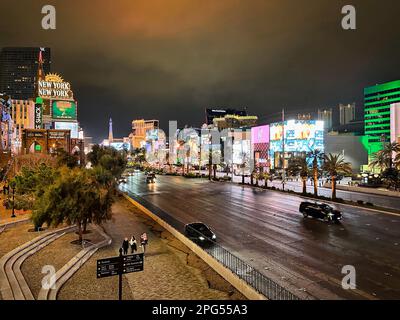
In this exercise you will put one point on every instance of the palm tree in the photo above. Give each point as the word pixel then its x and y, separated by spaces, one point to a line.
pixel 299 167
pixel 397 161
pixel 315 156
pixel 335 164
pixel 384 159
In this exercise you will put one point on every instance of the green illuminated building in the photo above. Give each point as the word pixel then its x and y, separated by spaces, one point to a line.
pixel 377 101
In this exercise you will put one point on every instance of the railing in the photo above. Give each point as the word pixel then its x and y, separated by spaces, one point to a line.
pixel 261 283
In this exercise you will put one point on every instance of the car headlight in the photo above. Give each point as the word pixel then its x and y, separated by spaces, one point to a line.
pixel 201 238
pixel 214 236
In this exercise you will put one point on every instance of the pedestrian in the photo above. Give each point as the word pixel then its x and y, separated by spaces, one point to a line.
pixel 143 241
pixel 133 244
pixel 125 246
pixel 6 188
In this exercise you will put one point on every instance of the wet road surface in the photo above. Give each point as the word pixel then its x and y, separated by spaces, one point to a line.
pixel 265 229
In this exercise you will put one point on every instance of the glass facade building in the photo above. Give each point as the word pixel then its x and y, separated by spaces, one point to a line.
pixel 18 70
pixel 377 101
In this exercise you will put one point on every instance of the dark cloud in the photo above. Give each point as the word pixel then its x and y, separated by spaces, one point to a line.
pixel 169 59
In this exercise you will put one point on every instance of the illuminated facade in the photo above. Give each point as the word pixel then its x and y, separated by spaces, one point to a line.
pixel 377 113
pixel 294 138
pixel 22 114
pixel 326 115
pixel 260 146
pixel 139 130
pixel 395 122
pixel 234 121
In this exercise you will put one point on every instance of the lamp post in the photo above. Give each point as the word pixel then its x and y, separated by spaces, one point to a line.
pixel 13 206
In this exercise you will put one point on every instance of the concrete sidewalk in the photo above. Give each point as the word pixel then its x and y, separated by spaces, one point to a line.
pixel 166 274
pixel 377 191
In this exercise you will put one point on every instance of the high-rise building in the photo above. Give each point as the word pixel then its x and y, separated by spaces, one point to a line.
pixel 325 115
pixel 377 102
pixel 18 70
pixel 395 122
pixel 347 113
pixel 139 129
pixel 22 114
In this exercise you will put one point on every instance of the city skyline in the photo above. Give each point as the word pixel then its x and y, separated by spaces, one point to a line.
pixel 152 62
pixel 199 158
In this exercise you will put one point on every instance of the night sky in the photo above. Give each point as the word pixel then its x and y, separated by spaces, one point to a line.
pixel 169 59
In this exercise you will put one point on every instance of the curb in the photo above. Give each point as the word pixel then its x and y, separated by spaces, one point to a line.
pixel 295 194
pixel 8 224
pixel 13 286
pixel 245 289
pixel 72 266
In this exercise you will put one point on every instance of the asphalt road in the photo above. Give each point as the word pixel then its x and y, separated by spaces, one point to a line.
pixel 384 201
pixel 265 229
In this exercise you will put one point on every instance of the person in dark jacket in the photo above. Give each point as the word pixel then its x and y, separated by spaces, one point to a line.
pixel 133 244
pixel 125 246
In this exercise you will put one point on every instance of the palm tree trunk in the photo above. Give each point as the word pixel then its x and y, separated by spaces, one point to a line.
pixel 304 185
pixel 333 187
pixel 209 166
pixel 215 171
pixel 315 178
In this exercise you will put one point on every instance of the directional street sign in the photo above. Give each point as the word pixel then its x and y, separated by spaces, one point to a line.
pixel 111 266
pixel 108 267
pixel 133 263
pixel 117 266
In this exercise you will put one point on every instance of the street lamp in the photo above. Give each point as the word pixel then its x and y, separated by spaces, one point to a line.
pixel 13 203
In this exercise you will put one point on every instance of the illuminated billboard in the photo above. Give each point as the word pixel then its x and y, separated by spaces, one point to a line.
pixel 73 126
pixel 120 146
pixel 260 134
pixel 64 110
pixel 54 87
pixel 300 136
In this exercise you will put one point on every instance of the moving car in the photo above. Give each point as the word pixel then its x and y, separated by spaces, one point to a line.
pixel 150 178
pixel 320 211
pixel 122 180
pixel 200 233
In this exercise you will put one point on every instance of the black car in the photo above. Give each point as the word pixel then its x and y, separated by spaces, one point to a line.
pixel 320 211
pixel 199 232
pixel 151 178
pixel 122 180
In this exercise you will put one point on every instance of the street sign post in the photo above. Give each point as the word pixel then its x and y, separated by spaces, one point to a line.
pixel 117 266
